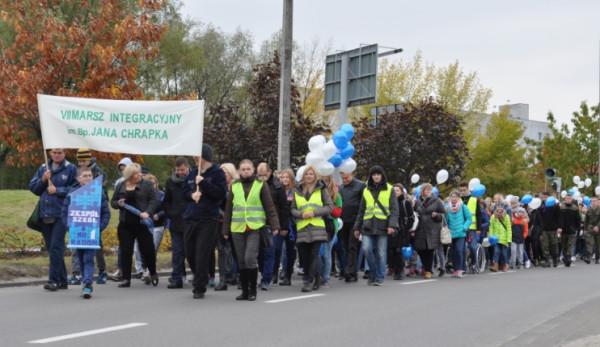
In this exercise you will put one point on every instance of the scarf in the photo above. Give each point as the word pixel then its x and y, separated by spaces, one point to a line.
pixel 455 207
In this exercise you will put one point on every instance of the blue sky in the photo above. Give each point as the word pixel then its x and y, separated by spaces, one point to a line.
pixel 541 52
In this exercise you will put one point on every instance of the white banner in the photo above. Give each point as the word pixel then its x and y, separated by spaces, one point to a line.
pixel 122 126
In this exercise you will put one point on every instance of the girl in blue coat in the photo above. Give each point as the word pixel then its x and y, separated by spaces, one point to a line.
pixel 459 221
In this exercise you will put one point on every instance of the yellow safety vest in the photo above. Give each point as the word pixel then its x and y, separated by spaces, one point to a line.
pixel 472 205
pixel 303 205
pixel 372 209
pixel 247 213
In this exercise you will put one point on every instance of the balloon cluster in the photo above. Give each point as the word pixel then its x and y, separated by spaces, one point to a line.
pixel 330 158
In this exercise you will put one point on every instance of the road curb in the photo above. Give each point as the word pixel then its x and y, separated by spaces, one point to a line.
pixel 38 282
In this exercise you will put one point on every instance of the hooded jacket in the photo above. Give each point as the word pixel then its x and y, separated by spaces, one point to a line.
pixel 375 226
pixel 214 192
pixel 351 196
pixel 570 218
pixel 63 178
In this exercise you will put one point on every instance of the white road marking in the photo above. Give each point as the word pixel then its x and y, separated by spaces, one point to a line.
pixel 502 272
pixel 88 333
pixel 294 298
pixel 417 282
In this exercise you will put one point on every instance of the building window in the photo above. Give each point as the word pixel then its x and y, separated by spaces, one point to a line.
pixel 539 136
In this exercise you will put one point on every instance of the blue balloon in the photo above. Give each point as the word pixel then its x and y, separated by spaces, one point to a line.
pixel 340 139
pixel 336 160
pixel 435 192
pixel 407 252
pixel 493 240
pixel 478 191
pixel 349 130
pixel 587 201
pixel 571 192
pixel 526 199
pixel 418 192
pixel 550 202
pixel 348 151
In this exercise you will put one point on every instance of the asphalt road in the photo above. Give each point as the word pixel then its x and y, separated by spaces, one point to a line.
pixel 536 307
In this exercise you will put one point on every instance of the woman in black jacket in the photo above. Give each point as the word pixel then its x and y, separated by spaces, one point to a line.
pixel 400 239
pixel 137 202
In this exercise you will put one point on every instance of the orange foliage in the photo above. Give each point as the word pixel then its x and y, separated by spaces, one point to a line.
pixel 81 48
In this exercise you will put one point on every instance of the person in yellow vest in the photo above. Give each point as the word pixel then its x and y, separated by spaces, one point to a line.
pixel 477 220
pixel 377 218
pixel 247 210
pixel 310 205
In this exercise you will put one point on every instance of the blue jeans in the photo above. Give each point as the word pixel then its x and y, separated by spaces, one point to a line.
pixel 501 252
pixel 326 248
pixel 267 261
pixel 177 257
pixel 458 253
pixel 375 248
pixel 473 243
pixel 86 261
pixel 54 238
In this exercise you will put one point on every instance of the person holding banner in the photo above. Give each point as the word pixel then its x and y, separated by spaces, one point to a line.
pixel 205 191
pixel 136 201
pixel 51 183
pixel 85 256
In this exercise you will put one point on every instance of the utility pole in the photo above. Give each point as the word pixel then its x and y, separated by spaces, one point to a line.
pixel 598 111
pixel 285 108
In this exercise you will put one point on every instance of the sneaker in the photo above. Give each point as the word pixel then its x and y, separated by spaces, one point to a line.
pixel 527 264
pixel 116 276
pixel 455 274
pixel 51 287
pixel 264 286
pixel 460 274
pixel 307 287
pixel 75 280
pixel 441 273
pixel 102 276
pixel 325 285
pixel 285 282
pixel 211 282
pixel 427 275
pixel 398 276
pixel 86 292
pixel 146 277
pixel 64 285
pixel 137 275
pixel 378 283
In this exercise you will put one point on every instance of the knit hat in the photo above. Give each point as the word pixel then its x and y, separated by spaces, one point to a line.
pixel 207 152
pixel 125 161
pixel 84 154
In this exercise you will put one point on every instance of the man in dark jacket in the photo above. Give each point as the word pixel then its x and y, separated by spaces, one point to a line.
pixel 270 256
pixel 377 218
pixel 205 191
pixel 52 182
pixel 352 191
pixel 549 237
pixel 174 205
pixel 569 226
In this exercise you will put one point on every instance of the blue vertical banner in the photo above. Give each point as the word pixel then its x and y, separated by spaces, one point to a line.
pixel 84 216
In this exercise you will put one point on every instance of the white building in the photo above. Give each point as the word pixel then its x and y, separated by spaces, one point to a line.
pixel 533 129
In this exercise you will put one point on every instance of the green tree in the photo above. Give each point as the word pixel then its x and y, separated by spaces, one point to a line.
pixel 498 159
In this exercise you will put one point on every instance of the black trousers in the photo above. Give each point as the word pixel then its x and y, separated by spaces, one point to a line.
pixel 350 245
pixel 128 233
pixel 426 256
pixel 290 250
pixel 199 241
pixel 312 260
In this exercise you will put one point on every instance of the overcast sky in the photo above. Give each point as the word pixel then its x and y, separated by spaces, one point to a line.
pixel 540 52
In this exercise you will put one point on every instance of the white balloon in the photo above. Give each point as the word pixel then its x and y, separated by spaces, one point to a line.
pixel 328 150
pixel 597 191
pixel 563 194
pixel 337 178
pixel 300 172
pixel 588 182
pixel 348 166
pixel 441 177
pixel 415 179
pixel 535 203
pixel 316 142
pixel 581 185
pixel 576 179
pixel 577 196
pixel 325 168
pixel 474 182
pixel 575 188
pixel 314 158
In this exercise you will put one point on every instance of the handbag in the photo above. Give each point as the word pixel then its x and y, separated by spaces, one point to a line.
pixel 34 222
pixel 445 235
pixel 266 237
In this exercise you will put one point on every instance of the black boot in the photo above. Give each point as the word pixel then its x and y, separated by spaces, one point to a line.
pixel 253 278
pixel 244 284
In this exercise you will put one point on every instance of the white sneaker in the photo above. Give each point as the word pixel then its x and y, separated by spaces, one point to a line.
pixel 573 259
pixel 527 264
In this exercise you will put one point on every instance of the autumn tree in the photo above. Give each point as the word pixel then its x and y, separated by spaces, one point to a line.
pixel 498 158
pixel 70 48
pixel 422 138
